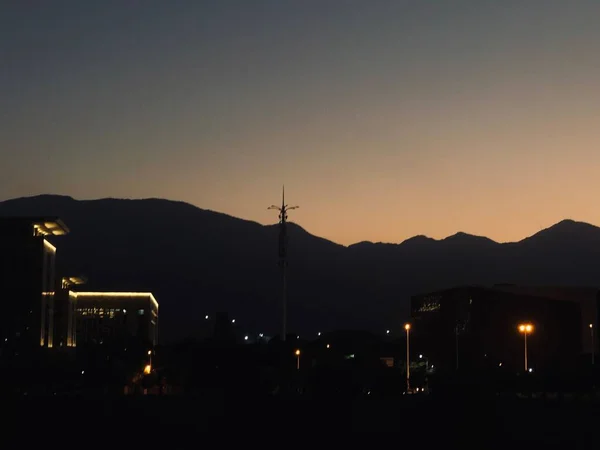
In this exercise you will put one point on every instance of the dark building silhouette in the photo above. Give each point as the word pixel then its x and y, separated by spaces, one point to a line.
pixel 586 297
pixel 27 271
pixel 477 327
pixel 114 316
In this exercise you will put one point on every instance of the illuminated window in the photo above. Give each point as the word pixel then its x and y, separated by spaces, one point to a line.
pixel 140 312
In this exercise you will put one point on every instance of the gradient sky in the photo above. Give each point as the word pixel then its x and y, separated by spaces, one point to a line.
pixel 384 119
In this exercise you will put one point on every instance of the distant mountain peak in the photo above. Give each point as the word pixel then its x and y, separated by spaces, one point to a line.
pixel 462 237
pixel 418 239
pixel 570 224
pixel 566 228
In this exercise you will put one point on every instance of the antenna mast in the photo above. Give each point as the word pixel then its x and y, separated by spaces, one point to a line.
pixel 283 210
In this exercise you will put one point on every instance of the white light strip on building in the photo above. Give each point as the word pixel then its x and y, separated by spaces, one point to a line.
pixel 120 294
pixel 49 246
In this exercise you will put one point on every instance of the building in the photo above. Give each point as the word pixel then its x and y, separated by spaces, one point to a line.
pixel 65 301
pixel 116 316
pixel 27 273
pixel 477 327
pixel 586 297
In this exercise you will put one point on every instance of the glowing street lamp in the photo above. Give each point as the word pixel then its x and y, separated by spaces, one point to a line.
pixel 147 369
pixel 407 328
pixel 526 328
pixel 297 353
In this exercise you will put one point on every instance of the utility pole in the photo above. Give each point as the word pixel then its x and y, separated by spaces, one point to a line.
pixel 283 210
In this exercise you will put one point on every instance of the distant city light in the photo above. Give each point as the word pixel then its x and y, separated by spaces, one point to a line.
pixel 245 338
pixel 530 370
pixel 261 335
pixel 82 372
pixel 298 337
pixel 328 346
pixel 420 356
pixel 206 317
pixel 387 331
pixel 319 333
pixel 500 365
pixel 232 320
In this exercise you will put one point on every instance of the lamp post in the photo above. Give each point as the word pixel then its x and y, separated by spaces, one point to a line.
pixel 407 328
pixel 526 328
pixel 592 338
pixel 297 353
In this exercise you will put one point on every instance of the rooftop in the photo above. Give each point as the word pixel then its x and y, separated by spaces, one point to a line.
pixel 42 226
pixel 119 295
pixel 73 281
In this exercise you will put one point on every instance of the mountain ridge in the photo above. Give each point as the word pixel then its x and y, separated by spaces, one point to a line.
pixel 564 225
pixel 198 262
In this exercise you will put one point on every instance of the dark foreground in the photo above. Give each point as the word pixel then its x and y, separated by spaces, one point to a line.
pixel 422 419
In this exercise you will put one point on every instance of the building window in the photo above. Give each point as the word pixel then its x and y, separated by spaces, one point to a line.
pixel 140 312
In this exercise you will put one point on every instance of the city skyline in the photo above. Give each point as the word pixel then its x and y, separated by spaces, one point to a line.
pixel 395 118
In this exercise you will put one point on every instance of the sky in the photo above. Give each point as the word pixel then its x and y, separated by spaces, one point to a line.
pixel 384 119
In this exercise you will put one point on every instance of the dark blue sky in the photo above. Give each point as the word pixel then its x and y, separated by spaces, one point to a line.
pixel 397 117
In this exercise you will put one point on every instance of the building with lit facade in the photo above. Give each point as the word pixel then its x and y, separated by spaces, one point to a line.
pixel 473 327
pixel 27 272
pixel 65 314
pixel 116 316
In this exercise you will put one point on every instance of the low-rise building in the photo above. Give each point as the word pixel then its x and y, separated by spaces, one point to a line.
pixel 103 316
pixel 478 327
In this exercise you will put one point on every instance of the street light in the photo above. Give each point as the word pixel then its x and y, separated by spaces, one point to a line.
pixel 526 328
pixel 150 355
pixel 593 346
pixel 297 353
pixel 407 328
pixel 426 362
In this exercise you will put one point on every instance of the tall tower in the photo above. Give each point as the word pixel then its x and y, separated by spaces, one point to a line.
pixel 283 210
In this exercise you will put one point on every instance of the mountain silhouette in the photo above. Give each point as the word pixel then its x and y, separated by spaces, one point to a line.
pixel 198 262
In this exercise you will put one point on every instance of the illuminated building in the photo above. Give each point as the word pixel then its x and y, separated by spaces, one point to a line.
pixel 27 272
pixel 114 316
pixel 473 327
pixel 65 301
